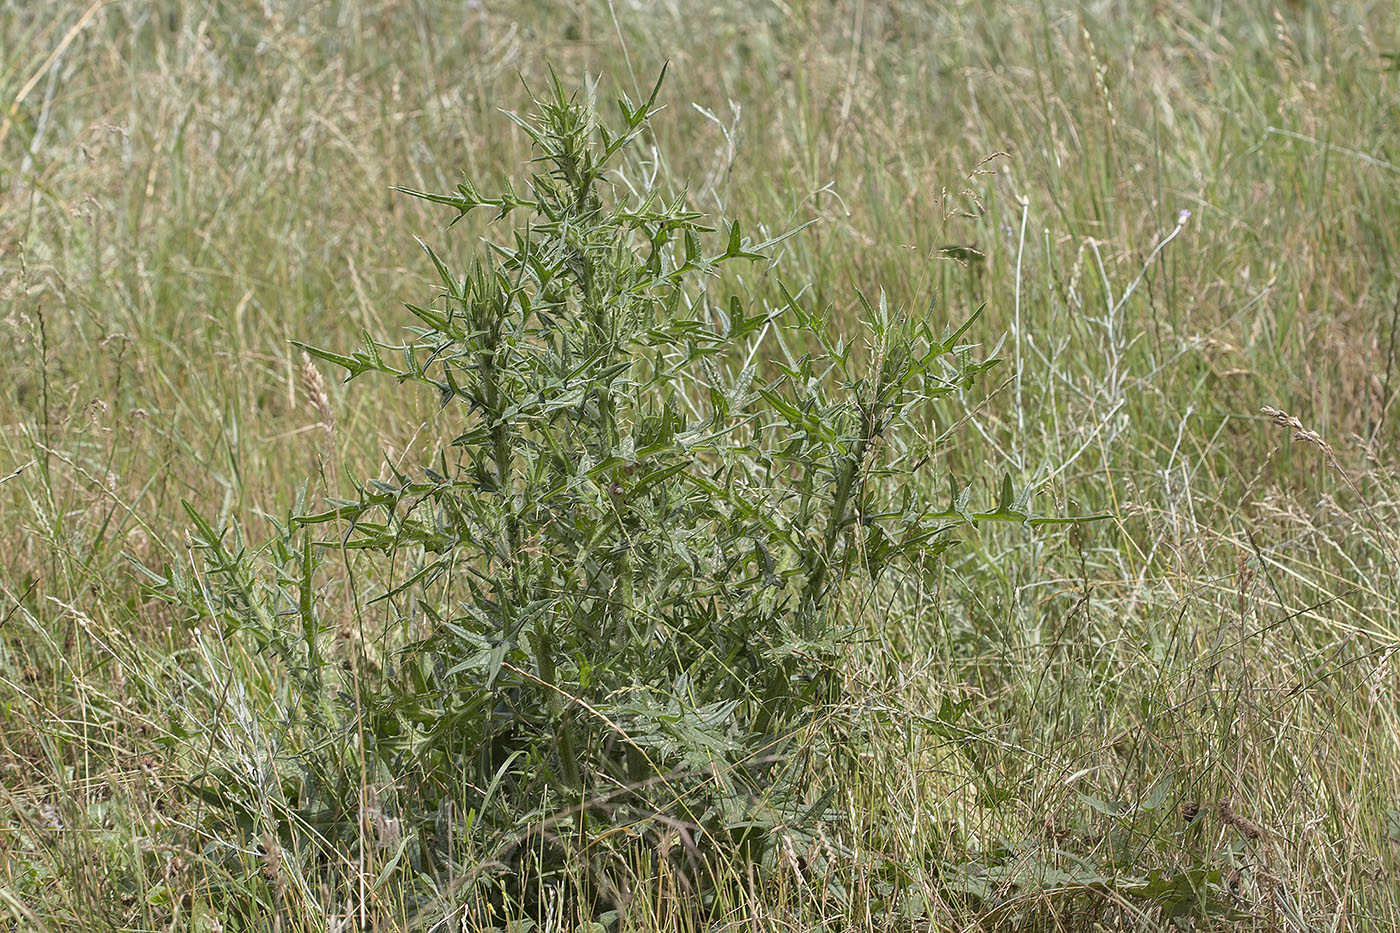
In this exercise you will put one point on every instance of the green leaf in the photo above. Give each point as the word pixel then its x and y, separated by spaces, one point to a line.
pixel 1106 807
pixel 736 249
pixel 449 280
pixel 1004 503
pixel 451 200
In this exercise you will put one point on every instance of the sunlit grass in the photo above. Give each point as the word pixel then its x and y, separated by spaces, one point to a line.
pixel 185 190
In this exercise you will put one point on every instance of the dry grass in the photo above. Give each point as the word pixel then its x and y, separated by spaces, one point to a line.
pixel 1203 693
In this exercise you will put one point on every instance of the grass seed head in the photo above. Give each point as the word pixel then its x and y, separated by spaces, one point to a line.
pixel 1301 433
pixel 315 388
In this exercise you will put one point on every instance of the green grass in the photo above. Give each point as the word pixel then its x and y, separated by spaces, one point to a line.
pixel 186 189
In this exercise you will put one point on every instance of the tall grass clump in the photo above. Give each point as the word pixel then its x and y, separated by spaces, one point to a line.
pixel 599 634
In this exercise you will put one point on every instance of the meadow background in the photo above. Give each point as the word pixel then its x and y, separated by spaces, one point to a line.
pixel 1176 214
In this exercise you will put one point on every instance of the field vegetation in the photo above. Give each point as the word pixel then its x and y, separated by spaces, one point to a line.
pixel 617 465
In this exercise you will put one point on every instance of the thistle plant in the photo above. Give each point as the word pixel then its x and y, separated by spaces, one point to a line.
pixel 624 588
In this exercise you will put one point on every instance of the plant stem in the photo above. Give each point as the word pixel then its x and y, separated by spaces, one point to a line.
pixel 544 662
